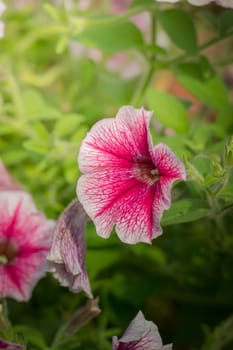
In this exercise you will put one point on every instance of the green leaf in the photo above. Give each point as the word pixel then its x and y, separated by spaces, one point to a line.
pixel 33 337
pixel 226 22
pixel 112 37
pixel 142 3
pixel 14 156
pixel 199 68
pixel 212 92
pixel 52 11
pixel 41 131
pixel 179 26
pixel 36 146
pixel 98 260
pixel 185 210
pixel 61 45
pixel 36 107
pixel 225 118
pixel 67 125
pixel 208 17
pixel 168 110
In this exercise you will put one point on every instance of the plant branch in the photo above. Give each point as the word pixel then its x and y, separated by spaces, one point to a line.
pixel 201 48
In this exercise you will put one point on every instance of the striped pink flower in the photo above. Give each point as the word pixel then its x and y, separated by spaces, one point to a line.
pixel 140 335
pixel 24 240
pixel 127 182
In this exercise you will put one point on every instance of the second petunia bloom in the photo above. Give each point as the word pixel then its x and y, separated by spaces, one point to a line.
pixel 25 235
pixel 127 182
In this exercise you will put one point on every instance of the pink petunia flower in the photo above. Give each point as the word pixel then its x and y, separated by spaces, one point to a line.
pixel 140 335
pixel 67 255
pixel 9 346
pixel 126 181
pixel 24 240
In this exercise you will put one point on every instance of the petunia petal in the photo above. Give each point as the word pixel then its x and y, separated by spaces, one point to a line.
pixel 67 255
pixel 115 142
pixel 118 198
pixel 140 335
pixel 19 279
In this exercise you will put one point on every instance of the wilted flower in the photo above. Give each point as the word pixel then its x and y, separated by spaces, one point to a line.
pixel 140 335
pixel 224 3
pixel 67 255
pixel 9 346
pixel 24 240
pixel 126 181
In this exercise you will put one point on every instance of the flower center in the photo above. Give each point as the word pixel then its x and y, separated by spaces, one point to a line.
pixel 146 172
pixel 8 252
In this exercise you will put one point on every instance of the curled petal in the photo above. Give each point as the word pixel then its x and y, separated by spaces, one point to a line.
pixel 140 335
pixel 67 255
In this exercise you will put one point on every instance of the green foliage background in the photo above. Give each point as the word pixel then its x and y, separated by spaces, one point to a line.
pixel 49 98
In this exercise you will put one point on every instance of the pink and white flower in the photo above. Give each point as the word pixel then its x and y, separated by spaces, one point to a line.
pixel 24 240
pixel 126 181
pixel 67 255
pixel 140 335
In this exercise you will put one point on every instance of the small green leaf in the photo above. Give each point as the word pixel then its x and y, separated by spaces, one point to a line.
pixel 212 92
pixel 41 131
pixel 168 110
pixel 67 125
pixel 36 107
pixel 52 11
pixel 185 210
pixel 14 156
pixel 61 45
pixel 184 36
pixel 208 17
pixel 226 22
pixel 199 68
pixel 112 37
pixel 36 146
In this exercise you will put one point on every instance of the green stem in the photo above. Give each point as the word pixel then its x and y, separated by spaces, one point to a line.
pixel 4 322
pixel 138 97
pixel 143 87
pixel 216 216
